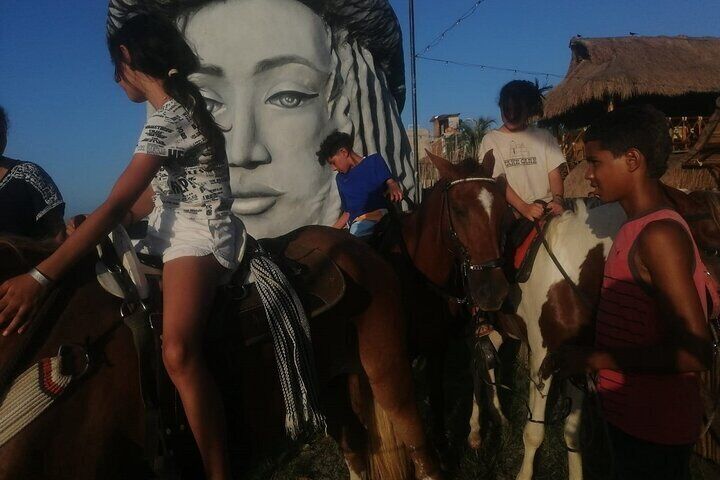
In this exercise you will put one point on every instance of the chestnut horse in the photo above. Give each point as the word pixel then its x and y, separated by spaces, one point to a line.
pixel 449 261
pixel 96 430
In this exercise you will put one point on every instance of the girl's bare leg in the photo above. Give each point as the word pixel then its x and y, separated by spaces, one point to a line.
pixel 188 292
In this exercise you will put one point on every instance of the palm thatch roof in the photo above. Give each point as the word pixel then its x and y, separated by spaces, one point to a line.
pixel 620 68
pixel 676 176
pixel 707 149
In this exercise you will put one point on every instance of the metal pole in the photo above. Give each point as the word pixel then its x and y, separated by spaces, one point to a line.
pixel 413 94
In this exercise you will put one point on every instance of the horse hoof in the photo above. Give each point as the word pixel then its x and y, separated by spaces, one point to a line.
pixel 474 440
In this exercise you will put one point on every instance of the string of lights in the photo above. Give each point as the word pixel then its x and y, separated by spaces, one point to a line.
pixel 441 35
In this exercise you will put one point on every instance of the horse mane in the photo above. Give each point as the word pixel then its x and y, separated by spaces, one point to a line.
pixel 470 167
pixel 27 250
pixel 581 224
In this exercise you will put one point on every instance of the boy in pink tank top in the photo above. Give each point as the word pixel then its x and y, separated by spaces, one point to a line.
pixel 652 335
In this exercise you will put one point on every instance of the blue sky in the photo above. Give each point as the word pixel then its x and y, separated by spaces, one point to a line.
pixel 68 115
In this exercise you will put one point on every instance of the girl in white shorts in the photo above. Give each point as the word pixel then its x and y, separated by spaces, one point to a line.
pixel 179 176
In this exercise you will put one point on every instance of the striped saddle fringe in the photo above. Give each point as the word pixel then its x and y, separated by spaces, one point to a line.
pixel 290 332
pixel 30 395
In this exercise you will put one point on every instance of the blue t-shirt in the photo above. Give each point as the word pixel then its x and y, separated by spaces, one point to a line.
pixel 362 188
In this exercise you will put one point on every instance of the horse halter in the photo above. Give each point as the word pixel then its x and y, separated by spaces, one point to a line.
pixel 466 262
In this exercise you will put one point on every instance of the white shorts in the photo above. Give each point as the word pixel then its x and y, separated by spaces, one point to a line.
pixel 173 235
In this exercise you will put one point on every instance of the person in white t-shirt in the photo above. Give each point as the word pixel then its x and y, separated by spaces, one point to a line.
pixel 528 156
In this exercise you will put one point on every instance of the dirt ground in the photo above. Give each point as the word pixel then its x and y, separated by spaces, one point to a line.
pixel 501 452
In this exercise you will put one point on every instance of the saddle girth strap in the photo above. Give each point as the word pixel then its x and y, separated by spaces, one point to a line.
pixel 136 317
pixel 139 324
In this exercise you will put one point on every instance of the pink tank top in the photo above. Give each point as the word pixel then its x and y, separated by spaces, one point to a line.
pixel 660 408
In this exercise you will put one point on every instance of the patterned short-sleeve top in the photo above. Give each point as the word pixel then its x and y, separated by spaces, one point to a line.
pixel 27 195
pixel 191 181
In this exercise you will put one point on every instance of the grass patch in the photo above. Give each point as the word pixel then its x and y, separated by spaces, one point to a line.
pixel 501 452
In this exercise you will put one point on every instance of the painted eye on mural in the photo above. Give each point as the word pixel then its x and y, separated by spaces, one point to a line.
pixel 290 99
pixel 213 106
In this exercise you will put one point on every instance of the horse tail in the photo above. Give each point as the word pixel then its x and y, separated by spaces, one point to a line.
pixel 387 456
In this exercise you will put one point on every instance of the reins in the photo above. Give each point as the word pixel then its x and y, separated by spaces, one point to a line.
pixel 466 265
pixel 574 286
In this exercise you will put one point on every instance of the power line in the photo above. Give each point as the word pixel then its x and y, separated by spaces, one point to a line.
pixel 547 75
pixel 489 67
pixel 441 35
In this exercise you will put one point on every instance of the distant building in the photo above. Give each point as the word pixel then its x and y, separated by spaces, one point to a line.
pixel 445 124
pixel 424 139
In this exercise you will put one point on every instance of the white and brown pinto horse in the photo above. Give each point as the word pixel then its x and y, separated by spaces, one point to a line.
pixel 555 314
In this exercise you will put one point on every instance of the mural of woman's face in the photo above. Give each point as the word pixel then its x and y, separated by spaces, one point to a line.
pixel 265 74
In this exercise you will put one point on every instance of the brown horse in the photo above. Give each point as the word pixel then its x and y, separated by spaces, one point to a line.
pixel 96 430
pixel 449 261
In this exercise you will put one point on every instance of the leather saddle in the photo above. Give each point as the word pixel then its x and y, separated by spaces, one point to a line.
pixel 316 278
pixel 238 318
pixel 521 247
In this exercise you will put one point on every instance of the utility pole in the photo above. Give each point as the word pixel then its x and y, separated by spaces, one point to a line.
pixel 413 94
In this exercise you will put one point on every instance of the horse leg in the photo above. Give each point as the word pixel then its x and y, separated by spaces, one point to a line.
pixel 381 340
pixel 497 341
pixel 343 412
pixel 436 393
pixel 572 431
pixel 534 431
pixel 474 438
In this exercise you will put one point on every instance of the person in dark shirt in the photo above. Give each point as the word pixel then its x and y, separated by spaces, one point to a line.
pixel 363 183
pixel 30 203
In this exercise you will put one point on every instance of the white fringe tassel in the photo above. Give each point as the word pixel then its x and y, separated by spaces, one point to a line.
pixel 293 347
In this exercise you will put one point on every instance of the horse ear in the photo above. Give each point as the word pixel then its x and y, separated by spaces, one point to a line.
pixel 501 182
pixel 444 167
pixel 488 163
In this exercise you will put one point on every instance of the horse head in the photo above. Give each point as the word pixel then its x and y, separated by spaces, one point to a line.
pixel 701 210
pixel 473 208
pixel 20 254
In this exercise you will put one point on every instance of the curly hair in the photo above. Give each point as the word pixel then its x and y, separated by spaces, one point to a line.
pixel 643 127
pixel 332 144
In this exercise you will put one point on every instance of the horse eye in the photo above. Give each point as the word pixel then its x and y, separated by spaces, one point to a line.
pixel 460 212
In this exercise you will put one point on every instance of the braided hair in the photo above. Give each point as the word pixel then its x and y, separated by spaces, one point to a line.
pixel 157 49
pixel 520 100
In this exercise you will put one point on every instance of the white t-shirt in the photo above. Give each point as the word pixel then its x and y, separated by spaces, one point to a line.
pixel 525 158
pixel 191 181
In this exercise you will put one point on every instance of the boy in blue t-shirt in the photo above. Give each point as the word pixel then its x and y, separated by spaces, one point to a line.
pixel 363 183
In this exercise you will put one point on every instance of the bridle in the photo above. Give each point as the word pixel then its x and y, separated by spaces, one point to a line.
pixel 466 264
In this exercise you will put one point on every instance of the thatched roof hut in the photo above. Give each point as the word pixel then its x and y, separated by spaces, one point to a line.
pixel 680 75
pixel 676 176
pixel 706 150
